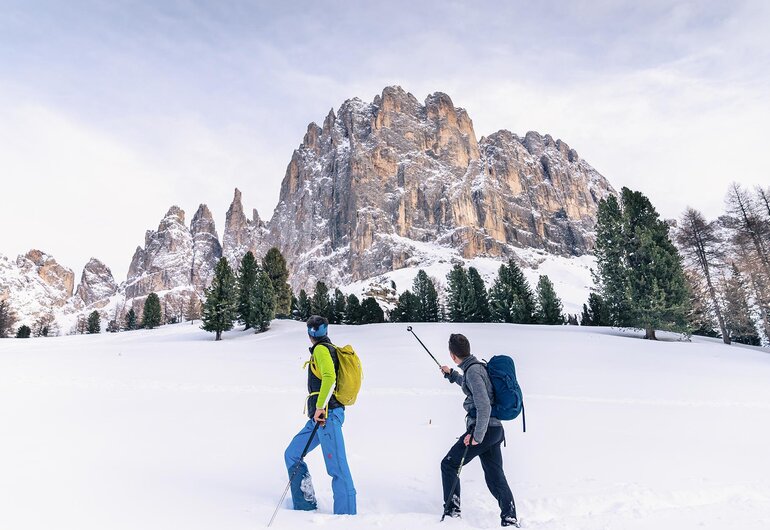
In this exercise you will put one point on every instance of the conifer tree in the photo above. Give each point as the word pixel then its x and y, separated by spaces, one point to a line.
pixel 7 319
pixel 131 322
pixel 274 264
pixel 353 314
pixel 262 303
pixel 479 301
pixel 594 314
pixel 23 332
pixel 221 306
pixel 407 309
pixel 321 304
pixel 640 274
pixel 699 318
pixel 152 314
pixel 737 312
pixel 371 312
pixel 94 322
pixel 459 297
pixel 338 308
pixel 549 305
pixel 611 275
pixel 424 289
pixel 304 306
pixel 294 307
pixel 511 298
pixel 658 295
pixel 247 284
pixel 193 310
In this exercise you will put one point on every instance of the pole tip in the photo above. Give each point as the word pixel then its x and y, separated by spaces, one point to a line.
pixel 409 328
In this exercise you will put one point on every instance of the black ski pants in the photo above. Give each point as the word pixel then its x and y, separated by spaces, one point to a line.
pixel 491 458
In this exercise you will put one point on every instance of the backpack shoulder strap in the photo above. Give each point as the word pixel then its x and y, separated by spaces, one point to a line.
pixel 332 351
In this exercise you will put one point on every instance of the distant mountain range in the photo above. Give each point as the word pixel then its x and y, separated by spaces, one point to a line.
pixel 379 187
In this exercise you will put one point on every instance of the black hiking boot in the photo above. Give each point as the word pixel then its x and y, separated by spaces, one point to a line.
pixel 510 520
pixel 454 513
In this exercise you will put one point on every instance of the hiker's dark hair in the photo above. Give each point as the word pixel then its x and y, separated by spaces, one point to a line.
pixel 316 321
pixel 459 345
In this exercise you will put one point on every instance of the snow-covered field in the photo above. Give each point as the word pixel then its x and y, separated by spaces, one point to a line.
pixel 168 429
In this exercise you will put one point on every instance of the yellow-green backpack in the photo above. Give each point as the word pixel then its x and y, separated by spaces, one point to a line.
pixel 349 374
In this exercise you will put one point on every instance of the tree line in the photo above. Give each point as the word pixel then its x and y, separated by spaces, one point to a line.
pixel 691 275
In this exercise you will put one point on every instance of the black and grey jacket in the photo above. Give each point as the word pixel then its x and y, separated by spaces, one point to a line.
pixel 479 394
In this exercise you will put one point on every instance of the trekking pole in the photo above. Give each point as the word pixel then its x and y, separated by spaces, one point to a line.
pixel 457 479
pixel 409 329
pixel 296 468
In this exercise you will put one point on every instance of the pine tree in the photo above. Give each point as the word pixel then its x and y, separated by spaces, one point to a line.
pixel 247 284
pixel 294 307
pixel 407 309
pixel 737 312
pixel 94 322
pixel 424 289
pixel 338 308
pixel 321 304
pixel 152 312
pixel 459 297
pixel 354 313
pixel 595 313
pixel 131 320
pixel 371 312
pixel 304 306
pixel 7 319
pixel 611 275
pixel 221 306
pixel 549 305
pixel 658 296
pixel 479 301
pixel 23 332
pixel 511 298
pixel 274 264
pixel 193 310
pixel 699 319
pixel 262 303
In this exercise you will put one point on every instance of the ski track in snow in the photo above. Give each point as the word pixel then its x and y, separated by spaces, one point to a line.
pixel 167 429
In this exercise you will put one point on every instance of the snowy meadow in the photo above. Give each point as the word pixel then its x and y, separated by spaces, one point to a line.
pixel 165 428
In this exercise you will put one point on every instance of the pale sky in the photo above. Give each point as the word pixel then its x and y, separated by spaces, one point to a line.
pixel 110 111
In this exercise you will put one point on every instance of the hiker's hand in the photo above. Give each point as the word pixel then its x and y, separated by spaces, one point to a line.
pixel 469 440
pixel 446 370
pixel 320 416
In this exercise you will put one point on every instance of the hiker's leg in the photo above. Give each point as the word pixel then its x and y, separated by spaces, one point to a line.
pixel 494 474
pixel 449 466
pixel 333 446
pixel 302 494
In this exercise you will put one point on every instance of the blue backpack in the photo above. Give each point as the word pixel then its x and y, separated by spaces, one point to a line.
pixel 508 401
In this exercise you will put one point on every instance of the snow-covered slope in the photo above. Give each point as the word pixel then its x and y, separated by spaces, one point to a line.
pixel 571 276
pixel 168 429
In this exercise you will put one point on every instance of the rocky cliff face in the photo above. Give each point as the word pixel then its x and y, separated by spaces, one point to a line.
pixel 242 234
pixel 377 187
pixel 35 284
pixel 379 180
pixel 176 261
pixel 97 284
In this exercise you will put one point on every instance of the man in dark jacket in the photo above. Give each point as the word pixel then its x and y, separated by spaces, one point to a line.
pixel 322 407
pixel 483 434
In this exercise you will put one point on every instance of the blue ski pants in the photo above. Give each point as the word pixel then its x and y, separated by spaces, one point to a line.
pixel 332 443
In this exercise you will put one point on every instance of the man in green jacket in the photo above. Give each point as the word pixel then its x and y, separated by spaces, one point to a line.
pixel 322 408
